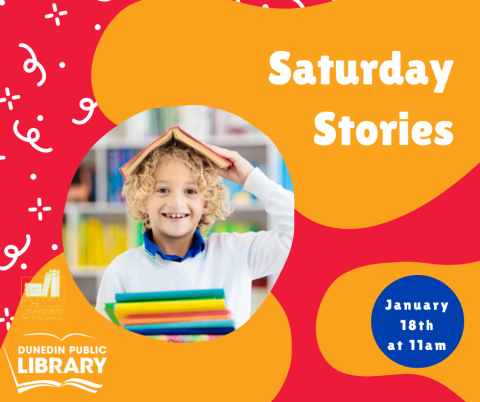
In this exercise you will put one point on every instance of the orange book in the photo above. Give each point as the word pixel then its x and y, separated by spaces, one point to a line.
pixel 180 135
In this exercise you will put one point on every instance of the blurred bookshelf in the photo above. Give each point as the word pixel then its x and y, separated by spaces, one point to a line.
pixel 97 226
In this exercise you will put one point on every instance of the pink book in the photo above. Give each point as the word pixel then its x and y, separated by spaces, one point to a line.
pixel 192 314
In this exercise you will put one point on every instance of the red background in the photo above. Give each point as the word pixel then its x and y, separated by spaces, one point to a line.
pixel 441 232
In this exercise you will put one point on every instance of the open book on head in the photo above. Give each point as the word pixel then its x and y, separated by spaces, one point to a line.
pixel 180 135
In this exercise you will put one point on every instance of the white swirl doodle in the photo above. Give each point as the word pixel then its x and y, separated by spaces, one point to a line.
pixel 29 138
pixel 34 62
pixel 90 107
pixel 15 254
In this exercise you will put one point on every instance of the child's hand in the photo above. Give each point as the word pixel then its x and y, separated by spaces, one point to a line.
pixel 240 169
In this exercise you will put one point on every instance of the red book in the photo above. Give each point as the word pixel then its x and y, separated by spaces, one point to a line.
pixel 180 135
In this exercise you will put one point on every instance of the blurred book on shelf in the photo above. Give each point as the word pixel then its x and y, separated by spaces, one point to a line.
pixel 232 227
pixel 82 188
pixel 99 243
pixel 196 120
pixel 286 180
pixel 116 159
pixel 230 124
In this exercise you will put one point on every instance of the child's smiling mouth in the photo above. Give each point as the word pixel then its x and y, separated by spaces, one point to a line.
pixel 175 216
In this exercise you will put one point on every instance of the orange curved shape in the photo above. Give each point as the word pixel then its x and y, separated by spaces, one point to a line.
pixel 159 54
pixel 344 332
pixel 256 357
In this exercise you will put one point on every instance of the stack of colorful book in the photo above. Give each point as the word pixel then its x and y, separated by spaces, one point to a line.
pixel 176 316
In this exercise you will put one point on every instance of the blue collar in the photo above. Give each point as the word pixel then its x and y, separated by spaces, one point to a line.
pixel 197 246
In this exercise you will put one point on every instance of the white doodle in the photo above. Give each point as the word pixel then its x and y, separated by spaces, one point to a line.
pixel 34 62
pixel 2 157
pixel 14 97
pixel 2 2
pixel 57 20
pixel 15 254
pixel 7 314
pixel 29 138
pixel 39 204
pixel 88 105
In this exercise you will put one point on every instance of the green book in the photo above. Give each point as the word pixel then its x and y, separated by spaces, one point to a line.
pixel 110 310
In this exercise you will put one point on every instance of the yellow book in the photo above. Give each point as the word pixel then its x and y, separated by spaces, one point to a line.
pixel 115 240
pixel 89 252
pixel 82 243
pixel 178 306
pixel 100 259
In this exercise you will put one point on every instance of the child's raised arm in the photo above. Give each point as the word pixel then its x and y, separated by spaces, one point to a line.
pixel 263 252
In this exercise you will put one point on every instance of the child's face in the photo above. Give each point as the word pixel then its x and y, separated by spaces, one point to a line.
pixel 175 193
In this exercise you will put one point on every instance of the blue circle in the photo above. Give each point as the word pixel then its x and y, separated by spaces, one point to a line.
pixel 393 322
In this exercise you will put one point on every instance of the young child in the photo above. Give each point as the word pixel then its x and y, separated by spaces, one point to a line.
pixel 177 194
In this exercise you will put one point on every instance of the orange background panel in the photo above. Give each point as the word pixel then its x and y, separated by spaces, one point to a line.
pixel 159 54
pixel 256 356
pixel 344 330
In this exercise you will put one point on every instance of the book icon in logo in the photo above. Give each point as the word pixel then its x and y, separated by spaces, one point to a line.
pixel 51 282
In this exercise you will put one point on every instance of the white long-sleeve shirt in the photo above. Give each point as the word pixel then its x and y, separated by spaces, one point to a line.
pixel 229 261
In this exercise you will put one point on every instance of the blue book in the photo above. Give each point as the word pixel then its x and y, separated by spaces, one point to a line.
pixel 170 295
pixel 186 331
pixel 183 325
pixel 285 176
pixel 114 177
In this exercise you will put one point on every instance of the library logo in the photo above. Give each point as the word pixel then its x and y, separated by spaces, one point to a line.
pixel 50 283
pixel 44 300
pixel 36 364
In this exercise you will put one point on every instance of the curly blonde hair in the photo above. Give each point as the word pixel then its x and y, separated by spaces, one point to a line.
pixel 141 183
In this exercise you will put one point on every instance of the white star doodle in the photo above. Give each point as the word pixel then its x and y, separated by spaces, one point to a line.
pixel 57 20
pixel 7 314
pixel 14 97
pixel 39 204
